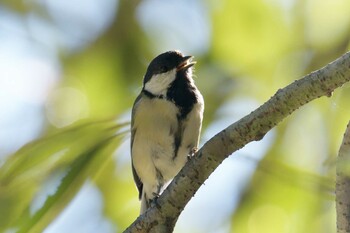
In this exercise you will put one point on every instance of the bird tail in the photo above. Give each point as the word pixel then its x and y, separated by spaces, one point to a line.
pixel 144 202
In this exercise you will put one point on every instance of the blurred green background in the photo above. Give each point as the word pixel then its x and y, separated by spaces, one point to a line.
pixel 70 71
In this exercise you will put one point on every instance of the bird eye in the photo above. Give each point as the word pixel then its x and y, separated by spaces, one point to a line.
pixel 163 69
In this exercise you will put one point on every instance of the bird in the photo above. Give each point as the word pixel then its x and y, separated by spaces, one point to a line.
pixel 166 122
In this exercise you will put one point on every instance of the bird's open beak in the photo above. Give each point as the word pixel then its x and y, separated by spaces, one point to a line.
pixel 185 63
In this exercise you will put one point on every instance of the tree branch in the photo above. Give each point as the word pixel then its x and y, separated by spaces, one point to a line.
pixel 163 216
pixel 342 189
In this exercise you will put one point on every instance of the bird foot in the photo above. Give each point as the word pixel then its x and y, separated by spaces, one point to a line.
pixel 192 153
pixel 154 201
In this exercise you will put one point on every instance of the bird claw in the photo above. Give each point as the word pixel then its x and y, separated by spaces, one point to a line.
pixel 154 201
pixel 156 195
pixel 192 153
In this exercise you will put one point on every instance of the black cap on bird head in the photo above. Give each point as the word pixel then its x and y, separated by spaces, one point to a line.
pixel 168 61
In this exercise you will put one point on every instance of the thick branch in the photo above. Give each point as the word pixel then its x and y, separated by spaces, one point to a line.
pixel 162 217
pixel 342 189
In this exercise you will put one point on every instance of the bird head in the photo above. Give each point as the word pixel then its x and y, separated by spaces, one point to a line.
pixel 164 69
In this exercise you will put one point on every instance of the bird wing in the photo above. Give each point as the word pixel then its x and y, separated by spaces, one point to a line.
pixel 191 127
pixel 137 179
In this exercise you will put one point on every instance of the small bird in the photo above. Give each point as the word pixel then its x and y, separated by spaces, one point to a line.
pixel 166 124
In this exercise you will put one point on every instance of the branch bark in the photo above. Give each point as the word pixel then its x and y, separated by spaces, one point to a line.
pixel 253 127
pixel 342 189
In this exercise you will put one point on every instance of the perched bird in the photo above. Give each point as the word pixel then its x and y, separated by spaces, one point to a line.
pixel 166 123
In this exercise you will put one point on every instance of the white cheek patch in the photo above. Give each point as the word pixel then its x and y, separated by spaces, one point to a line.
pixel 159 83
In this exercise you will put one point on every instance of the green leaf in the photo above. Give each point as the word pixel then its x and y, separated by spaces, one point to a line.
pixel 81 150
